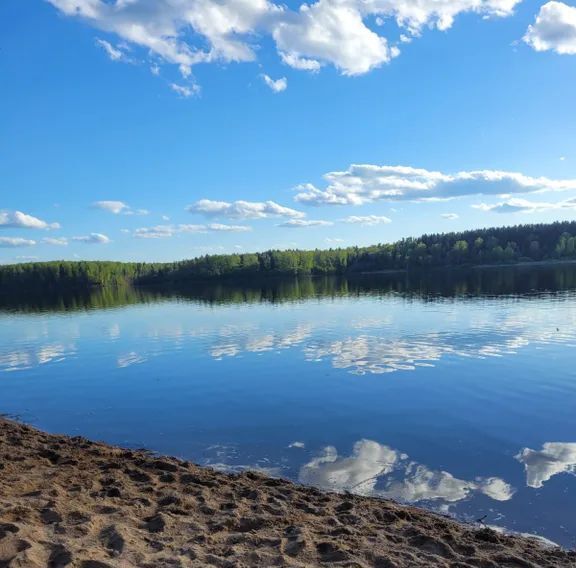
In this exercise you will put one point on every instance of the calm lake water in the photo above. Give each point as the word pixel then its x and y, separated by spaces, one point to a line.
pixel 456 393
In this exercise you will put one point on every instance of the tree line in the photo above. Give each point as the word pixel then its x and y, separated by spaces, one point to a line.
pixel 505 245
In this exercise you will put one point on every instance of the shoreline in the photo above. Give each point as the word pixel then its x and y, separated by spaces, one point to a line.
pixel 69 502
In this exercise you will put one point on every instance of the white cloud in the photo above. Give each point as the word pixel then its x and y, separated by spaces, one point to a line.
pixel 277 85
pixel 541 465
pixel 19 220
pixel 450 216
pixel 157 232
pixel 243 209
pixel 334 32
pixel 113 53
pixel 185 91
pixel 304 224
pixel 115 207
pixel 118 208
pixel 167 231
pixel 368 183
pixel 334 240
pixel 93 239
pixel 27 258
pixel 15 242
pixel 229 228
pixel 367 220
pixel 60 241
pixel 554 29
pixel 526 206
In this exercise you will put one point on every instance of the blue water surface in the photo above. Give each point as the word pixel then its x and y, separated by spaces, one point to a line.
pixel 460 401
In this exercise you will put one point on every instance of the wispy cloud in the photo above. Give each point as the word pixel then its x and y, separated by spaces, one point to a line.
pixel 243 209
pixel 304 223
pixel 19 220
pixel 367 220
pixel 15 242
pixel 113 53
pixel 167 231
pixel 59 241
pixel 277 85
pixel 525 206
pixel 450 216
pixel 185 91
pixel 93 239
pixel 26 258
pixel 118 208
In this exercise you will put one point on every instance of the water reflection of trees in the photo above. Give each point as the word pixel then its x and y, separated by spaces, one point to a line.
pixel 424 286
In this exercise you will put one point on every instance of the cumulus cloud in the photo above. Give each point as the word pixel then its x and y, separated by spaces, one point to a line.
pixel 19 220
pixel 367 183
pixel 93 239
pixel 325 32
pixel 541 465
pixel 334 32
pixel 15 242
pixel 118 208
pixel 367 220
pixel 167 231
pixel 243 209
pixel 525 206
pixel 277 85
pixel 59 241
pixel 554 29
pixel 304 223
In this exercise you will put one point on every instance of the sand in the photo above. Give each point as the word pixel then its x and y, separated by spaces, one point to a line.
pixel 71 502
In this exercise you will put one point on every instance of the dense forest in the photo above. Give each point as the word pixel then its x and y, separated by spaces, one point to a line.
pixel 507 245
pixel 426 285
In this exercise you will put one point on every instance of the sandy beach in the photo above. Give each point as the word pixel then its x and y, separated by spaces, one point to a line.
pixel 71 502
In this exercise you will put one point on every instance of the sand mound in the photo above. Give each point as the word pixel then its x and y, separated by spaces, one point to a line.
pixel 68 502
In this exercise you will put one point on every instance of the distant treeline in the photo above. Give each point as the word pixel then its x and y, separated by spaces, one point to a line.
pixel 522 243
pixel 423 285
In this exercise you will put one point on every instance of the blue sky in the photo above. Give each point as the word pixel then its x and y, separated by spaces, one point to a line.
pixel 131 130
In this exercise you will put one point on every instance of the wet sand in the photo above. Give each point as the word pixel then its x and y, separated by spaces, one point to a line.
pixel 71 502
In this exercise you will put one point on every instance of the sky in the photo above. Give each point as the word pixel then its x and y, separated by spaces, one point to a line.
pixel 156 130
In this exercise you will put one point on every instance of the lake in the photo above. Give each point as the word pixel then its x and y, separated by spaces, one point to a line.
pixel 453 391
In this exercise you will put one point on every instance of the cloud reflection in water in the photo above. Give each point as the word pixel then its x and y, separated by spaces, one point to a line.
pixel 541 465
pixel 377 470
pixel 22 359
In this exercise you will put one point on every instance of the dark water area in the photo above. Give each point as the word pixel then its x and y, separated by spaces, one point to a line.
pixel 454 391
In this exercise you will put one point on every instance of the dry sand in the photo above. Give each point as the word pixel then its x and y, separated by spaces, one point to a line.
pixel 70 502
